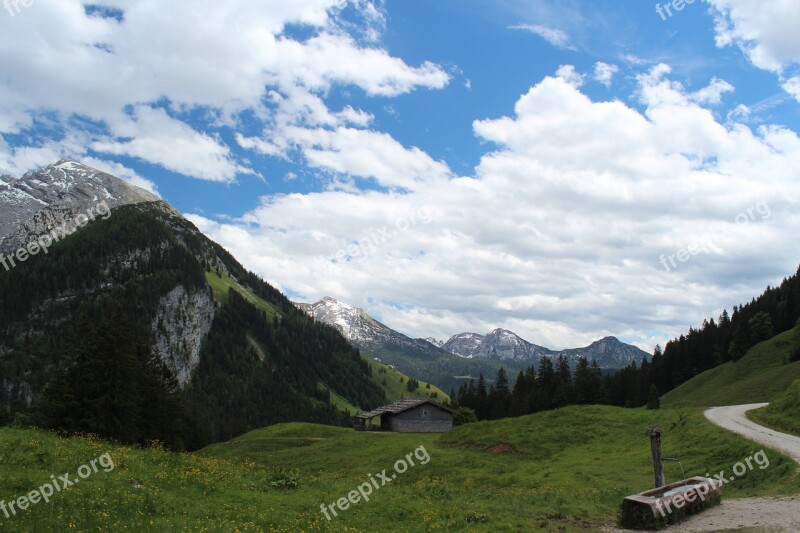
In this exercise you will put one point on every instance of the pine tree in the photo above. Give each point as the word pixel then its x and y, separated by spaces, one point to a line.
pixel 500 397
pixel 546 384
pixel 653 401
pixel 482 399
pixel 585 388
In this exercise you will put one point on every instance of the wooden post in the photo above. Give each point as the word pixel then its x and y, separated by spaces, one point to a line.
pixel 658 464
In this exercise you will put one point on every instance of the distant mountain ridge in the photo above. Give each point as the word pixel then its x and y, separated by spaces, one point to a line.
pixel 464 354
pixel 418 358
pixel 505 345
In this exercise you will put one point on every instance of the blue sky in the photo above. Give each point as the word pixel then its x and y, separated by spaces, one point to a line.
pixel 564 169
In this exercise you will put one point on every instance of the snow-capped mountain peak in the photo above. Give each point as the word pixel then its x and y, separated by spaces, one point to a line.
pixel 500 344
pixel 464 344
pixel 506 345
pixel 351 321
pixel 56 193
pixel 434 341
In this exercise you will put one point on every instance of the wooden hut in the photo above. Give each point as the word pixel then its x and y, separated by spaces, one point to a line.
pixel 409 415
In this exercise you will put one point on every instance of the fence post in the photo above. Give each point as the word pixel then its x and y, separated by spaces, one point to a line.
pixel 658 463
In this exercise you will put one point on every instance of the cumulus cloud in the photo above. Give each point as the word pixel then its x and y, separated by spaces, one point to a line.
pixel 604 73
pixel 766 30
pixel 570 75
pixel 559 233
pixel 202 58
pixel 369 154
pixel 158 138
pixel 712 94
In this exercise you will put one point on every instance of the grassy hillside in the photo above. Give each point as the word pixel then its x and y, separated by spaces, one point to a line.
pixel 220 285
pixel 565 470
pixel 388 378
pixel 761 375
pixel 395 383
pixel 446 370
pixel 783 413
pixel 339 402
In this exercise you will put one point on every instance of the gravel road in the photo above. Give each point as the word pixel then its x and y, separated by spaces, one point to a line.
pixel 753 514
pixel 733 418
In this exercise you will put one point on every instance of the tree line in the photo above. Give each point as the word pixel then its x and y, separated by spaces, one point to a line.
pixel 554 384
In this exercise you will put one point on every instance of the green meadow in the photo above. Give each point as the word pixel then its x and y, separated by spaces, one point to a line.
pixel 565 470
pixel 783 413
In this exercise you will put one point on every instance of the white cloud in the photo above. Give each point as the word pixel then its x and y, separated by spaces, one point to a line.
pixel 792 86
pixel 203 58
pixel 765 30
pixel 361 153
pixel 158 138
pixel 554 36
pixel 604 73
pixel 570 75
pixel 559 233
pixel 713 93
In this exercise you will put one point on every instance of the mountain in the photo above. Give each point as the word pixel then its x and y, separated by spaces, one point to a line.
pixel 463 356
pixel 609 352
pixel 56 194
pixel 135 326
pixel 418 358
pixel 761 375
pixel 352 322
pixel 499 344
pixel 464 344
pixel 506 345
pixel 435 342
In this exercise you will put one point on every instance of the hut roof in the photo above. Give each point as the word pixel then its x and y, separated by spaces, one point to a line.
pixel 403 404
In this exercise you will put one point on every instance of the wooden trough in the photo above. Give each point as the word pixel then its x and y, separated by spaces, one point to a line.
pixel 669 504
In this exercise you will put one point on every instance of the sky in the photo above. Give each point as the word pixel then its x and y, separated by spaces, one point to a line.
pixel 565 169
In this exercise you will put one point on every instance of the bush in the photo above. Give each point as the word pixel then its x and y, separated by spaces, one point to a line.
pixel 464 415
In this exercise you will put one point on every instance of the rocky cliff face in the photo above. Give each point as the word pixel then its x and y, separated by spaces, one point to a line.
pixel 181 324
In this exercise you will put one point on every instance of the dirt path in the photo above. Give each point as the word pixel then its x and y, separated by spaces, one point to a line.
pixel 751 514
pixel 733 418
pixel 747 514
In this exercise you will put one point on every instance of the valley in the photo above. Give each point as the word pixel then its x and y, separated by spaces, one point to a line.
pixel 226 406
pixel 565 470
pixel 371 266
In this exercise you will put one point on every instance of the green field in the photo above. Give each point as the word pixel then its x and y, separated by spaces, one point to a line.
pixel 783 414
pixel 564 470
pixel 761 375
